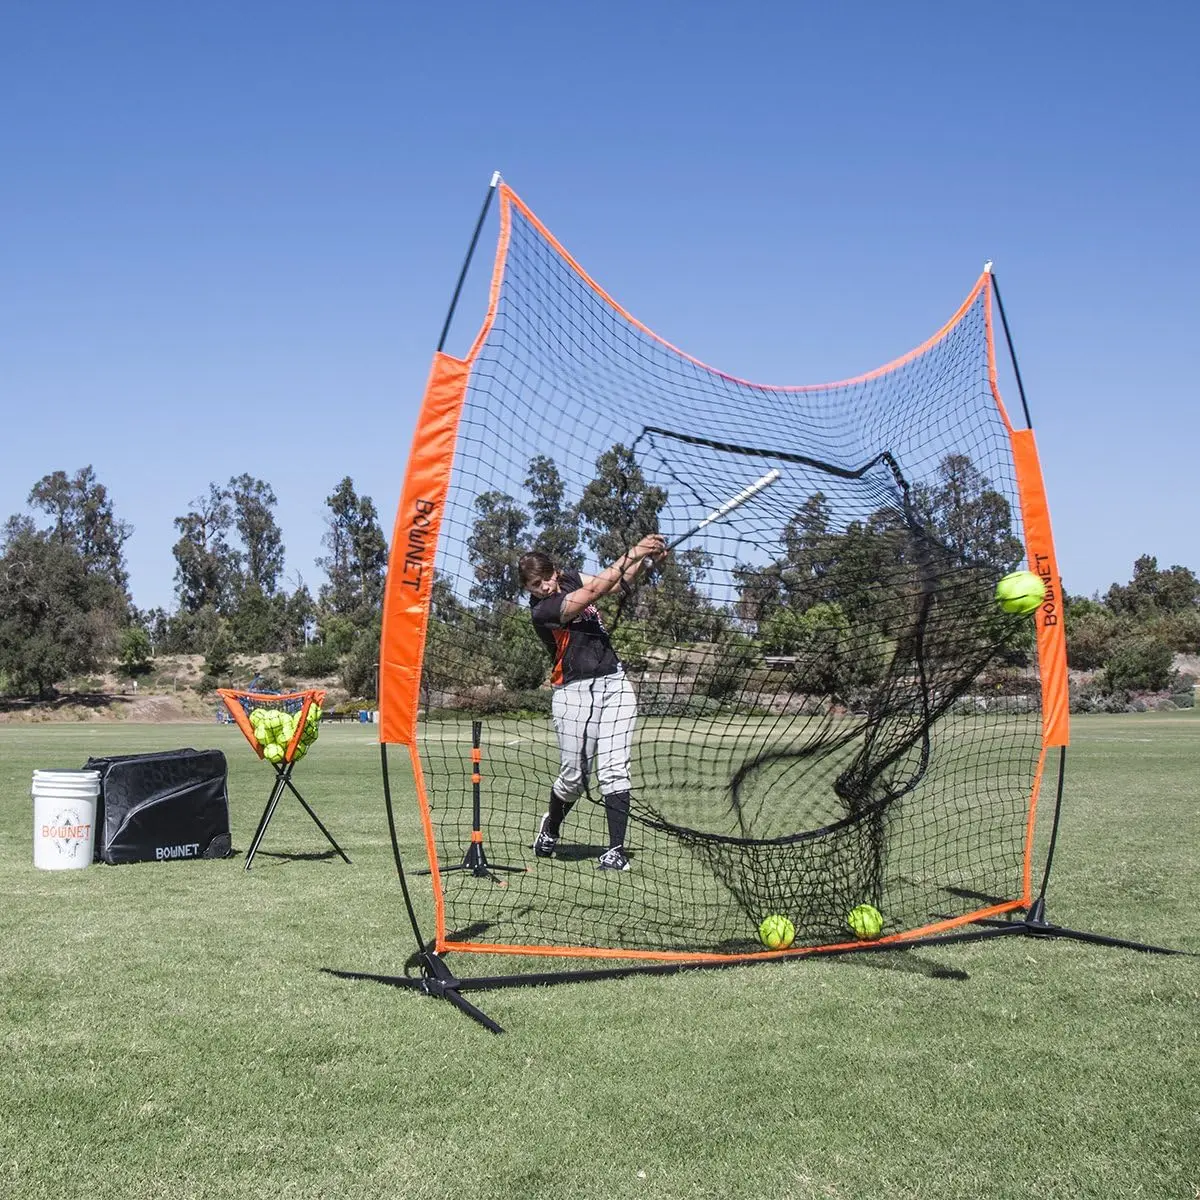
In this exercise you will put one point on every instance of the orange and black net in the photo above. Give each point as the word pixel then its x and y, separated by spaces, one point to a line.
pixel 823 706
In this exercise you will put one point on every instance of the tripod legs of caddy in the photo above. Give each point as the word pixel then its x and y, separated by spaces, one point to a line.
pixel 283 782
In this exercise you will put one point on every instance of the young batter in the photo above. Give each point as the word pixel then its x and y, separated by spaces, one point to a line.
pixel 594 708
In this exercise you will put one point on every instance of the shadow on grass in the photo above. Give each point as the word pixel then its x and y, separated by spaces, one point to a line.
pixel 577 852
pixel 297 856
pixel 982 897
pixel 902 961
pixel 95 700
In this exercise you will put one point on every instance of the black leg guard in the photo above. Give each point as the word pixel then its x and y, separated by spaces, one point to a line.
pixel 558 810
pixel 616 810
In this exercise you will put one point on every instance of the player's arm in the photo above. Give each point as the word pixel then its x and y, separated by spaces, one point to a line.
pixel 651 548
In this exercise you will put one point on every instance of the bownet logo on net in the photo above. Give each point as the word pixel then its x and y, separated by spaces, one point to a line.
pixel 416 552
pixel 1049 606
pixel 68 831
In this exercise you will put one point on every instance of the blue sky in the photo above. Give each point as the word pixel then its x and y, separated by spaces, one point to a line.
pixel 229 232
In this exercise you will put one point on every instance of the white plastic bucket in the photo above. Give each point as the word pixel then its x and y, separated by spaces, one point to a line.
pixel 64 819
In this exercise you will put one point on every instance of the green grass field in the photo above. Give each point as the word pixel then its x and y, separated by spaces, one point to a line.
pixel 168 1030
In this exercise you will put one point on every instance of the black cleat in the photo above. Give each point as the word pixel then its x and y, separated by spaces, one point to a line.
pixel 613 859
pixel 544 843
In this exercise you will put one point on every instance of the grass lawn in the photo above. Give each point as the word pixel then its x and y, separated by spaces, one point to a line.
pixel 168 1030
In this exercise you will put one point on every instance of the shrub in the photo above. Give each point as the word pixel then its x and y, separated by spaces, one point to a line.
pixel 1091 636
pixel 1091 697
pixel 219 658
pixel 316 660
pixel 1139 663
pixel 518 656
pixel 733 657
pixel 490 701
pixel 673 704
pixel 134 651
pixel 360 671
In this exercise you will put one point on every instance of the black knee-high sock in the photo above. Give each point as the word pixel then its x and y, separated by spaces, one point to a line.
pixel 558 810
pixel 616 810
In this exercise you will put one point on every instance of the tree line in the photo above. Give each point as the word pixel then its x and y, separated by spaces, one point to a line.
pixel 1129 636
pixel 66 608
pixel 837 603
pixel 819 602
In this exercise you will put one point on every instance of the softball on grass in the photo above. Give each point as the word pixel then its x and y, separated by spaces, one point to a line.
pixel 866 921
pixel 1020 592
pixel 776 932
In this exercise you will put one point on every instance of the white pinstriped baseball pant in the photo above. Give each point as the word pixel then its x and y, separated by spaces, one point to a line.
pixel 594 721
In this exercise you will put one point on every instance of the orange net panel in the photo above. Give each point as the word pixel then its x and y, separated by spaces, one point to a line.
pixel 280 727
pixel 815 703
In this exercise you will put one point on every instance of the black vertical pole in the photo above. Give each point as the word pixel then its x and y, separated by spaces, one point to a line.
pixel 476 776
pixel 391 816
pixel 387 791
pixel 462 275
pixel 1037 913
pixel 1012 354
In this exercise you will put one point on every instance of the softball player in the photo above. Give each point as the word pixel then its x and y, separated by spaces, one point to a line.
pixel 594 708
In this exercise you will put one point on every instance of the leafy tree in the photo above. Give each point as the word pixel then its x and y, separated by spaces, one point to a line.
pixel 134 650
pixel 494 547
pixel 559 529
pixel 968 516
pixel 519 657
pixel 191 632
pixel 632 645
pixel 1179 630
pixel 830 654
pixel 251 501
pixel 360 670
pixel 618 507
pixel 155 622
pixel 820 565
pixel 356 565
pixel 206 565
pixel 809 547
pixel 83 517
pixel 444 605
pixel 1092 630
pixel 337 632
pixel 254 624
pixel 57 616
pixel 218 657
pixel 733 656
pixel 298 613
pixel 1139 663
pixel 1153 591
pixel 673 609
pixel 315 661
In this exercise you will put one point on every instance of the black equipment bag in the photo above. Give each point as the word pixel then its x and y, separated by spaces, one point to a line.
pixel 160 807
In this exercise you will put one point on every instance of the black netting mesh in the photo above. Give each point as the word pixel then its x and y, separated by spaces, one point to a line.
pixel 826 707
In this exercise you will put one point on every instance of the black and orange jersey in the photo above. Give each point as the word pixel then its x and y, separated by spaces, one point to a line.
pixel 579 649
